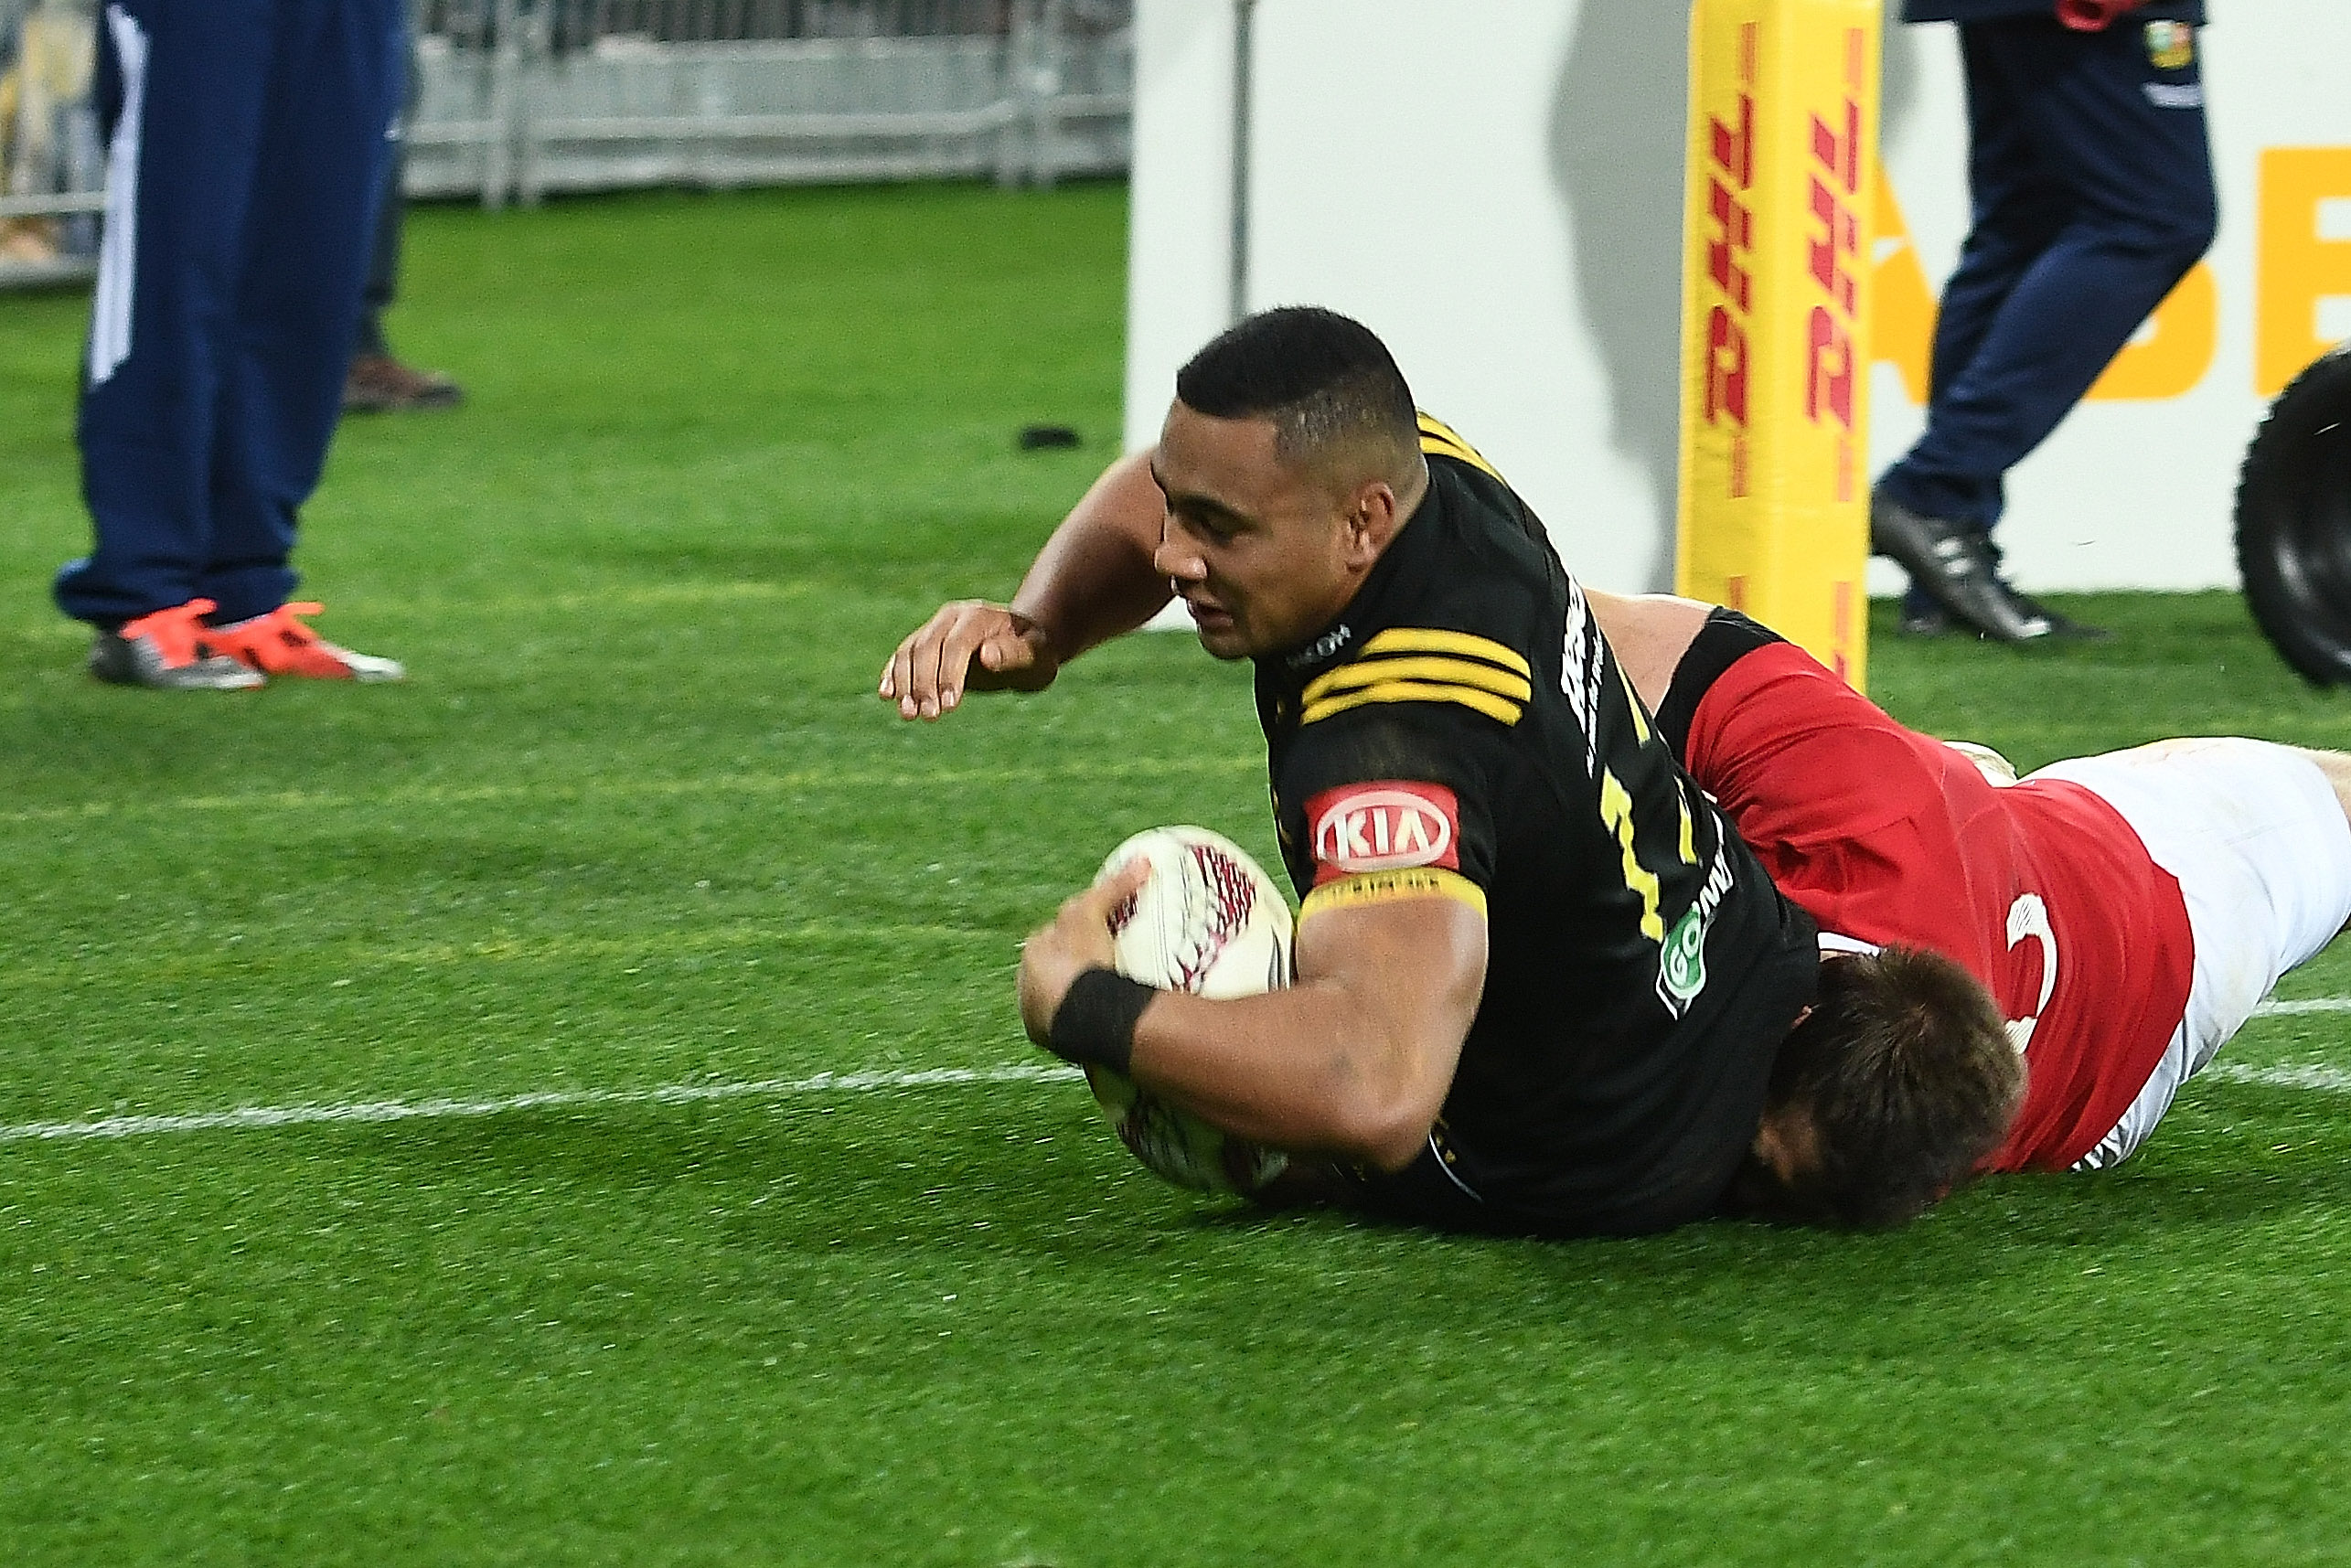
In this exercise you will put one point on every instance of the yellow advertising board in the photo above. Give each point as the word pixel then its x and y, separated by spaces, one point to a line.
pixel 1774 516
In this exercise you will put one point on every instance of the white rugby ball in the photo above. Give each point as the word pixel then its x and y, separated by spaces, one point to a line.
pixel 1209 922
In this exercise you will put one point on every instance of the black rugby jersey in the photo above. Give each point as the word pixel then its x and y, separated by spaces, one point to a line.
pixel 1462 729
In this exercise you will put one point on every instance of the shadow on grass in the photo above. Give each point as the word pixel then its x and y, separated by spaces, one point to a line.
pixel 916 1171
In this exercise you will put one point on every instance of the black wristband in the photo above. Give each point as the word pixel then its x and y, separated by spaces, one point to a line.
pixel 1095 1024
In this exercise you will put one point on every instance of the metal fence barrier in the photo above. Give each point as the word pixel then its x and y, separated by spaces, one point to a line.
pixel 52 168
pixel 514 98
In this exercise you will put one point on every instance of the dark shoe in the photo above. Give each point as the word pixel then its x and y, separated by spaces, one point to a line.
pixel 2062 627
pixel 379 384
pixel 1954 563
pixel 168 651
pixel 1924 620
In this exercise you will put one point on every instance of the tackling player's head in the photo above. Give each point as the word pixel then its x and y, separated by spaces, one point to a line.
pixel 1290 458
pixel 1338 406
pixel 1890 1093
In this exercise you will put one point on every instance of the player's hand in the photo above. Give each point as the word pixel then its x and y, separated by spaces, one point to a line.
pixel 971 645
pixel 1076 940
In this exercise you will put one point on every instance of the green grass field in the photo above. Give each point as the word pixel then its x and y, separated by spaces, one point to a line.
pixel 638 824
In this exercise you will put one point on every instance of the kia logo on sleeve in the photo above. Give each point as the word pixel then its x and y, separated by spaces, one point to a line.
pixel 1384 826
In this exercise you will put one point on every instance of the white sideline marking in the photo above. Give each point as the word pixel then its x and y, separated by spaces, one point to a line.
pixel 754 786
pixel 2327 1080
pixel 248 1118
pixel 2308 1005
pixel 251 1118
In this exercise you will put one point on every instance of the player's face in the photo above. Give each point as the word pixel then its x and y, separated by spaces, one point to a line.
pixel 1259 549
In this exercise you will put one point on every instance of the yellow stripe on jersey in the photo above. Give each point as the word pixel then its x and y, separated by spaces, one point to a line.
pixel 1388 887
pixel 1430 446
pixel 1423 664
pixel 1439 440
pixel 1495 707
pixel 1428 640
pixel 1632 706
pixel 1457 672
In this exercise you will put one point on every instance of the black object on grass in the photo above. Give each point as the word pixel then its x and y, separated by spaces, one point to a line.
pixel 1046 437
pixel 2293 521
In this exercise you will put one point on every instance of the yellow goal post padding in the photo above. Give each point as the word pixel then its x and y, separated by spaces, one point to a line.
pixel 1774 514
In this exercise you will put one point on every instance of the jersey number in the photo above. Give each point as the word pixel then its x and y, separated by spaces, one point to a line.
pixel 1616 811
pixel 2028 916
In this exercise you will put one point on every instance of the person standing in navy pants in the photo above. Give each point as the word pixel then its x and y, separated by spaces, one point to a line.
pixel 246 151
pixel 2090 176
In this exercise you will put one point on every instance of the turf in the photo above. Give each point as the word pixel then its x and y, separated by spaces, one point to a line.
pixel 639 822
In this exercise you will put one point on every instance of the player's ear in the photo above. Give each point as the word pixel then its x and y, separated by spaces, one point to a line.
pixel 1371 522
pixel 1787 1143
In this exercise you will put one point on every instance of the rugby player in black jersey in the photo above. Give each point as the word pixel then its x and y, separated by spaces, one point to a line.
pixel 1540 983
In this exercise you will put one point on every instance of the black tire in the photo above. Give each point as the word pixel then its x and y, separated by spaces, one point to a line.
pixel 2293 521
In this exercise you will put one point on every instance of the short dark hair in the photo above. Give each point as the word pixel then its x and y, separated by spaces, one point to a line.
pixel 1907 1080
pixel 1323 380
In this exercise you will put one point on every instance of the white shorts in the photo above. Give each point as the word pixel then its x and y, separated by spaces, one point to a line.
pixel 2262 853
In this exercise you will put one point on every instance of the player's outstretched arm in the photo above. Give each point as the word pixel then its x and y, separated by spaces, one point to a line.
pixel 1353 1059
pixel 1093 581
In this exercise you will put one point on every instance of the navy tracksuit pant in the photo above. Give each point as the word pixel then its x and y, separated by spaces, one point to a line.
pixel 2092 180
pixel 246 147
pixel 391 215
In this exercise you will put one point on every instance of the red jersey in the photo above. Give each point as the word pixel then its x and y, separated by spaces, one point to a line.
pixel 2040 890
